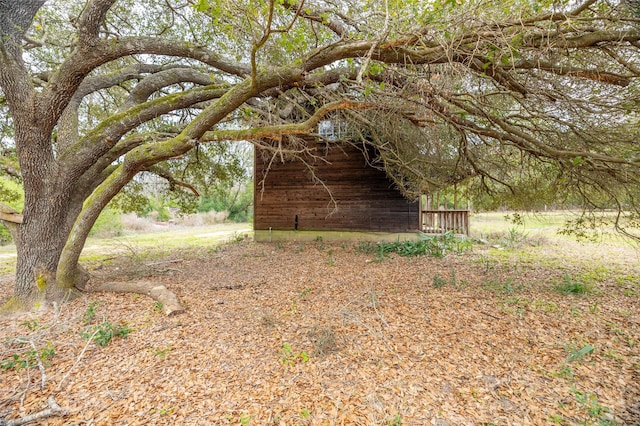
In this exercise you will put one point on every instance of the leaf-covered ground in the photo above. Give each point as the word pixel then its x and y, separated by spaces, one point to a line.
pixel 322 333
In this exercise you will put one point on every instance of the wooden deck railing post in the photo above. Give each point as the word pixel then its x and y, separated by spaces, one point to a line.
pixel 441 221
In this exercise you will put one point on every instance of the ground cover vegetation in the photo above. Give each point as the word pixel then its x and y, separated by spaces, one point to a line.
pixel 522 102
pixel 532 328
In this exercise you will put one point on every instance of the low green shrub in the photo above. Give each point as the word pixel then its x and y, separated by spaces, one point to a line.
pixel 289 357
pixel 5 236
pixel 439 281
pixel 102 334
pixel 28 359
pixel 427 245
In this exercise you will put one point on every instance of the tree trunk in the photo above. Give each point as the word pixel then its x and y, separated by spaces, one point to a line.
pixel 48 214
pixel 85 219
pixel 39 245
pixel 50 208
pixel 41 239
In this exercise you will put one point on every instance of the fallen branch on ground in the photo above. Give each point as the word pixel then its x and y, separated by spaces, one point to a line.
pixel 164 262
pixel 53 410
pixel 157 291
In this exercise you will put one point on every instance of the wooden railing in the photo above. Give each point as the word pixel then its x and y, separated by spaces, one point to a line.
pixel 441 221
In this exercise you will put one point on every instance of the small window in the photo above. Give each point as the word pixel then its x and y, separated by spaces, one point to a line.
pixel 333 129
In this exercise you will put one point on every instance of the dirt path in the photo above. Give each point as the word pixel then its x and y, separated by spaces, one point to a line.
pixel 318 333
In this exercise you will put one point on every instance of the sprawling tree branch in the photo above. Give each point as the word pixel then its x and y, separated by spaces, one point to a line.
pixel 95 144
pixel 275 132
pixel 91 19
pixel 173 182
pixel 64 83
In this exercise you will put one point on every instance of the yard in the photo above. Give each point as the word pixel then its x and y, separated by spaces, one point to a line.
pixel 525 328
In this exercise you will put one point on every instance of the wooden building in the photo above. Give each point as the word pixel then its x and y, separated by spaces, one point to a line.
pixel 346 194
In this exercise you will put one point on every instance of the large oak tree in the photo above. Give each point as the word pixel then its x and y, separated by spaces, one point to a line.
pixel 533 98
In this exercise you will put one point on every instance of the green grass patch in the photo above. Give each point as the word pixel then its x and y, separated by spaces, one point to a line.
pixel 569 285
pixel 596 275
pixel 156 245
pixel 530 256
pixel 506 286
pixel 546 306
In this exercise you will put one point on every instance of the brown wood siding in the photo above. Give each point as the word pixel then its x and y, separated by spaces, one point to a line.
pixel 366 200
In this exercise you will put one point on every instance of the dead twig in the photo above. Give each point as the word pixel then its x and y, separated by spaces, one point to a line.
pixel 53 410
pixel 167 327
pixel 384 321
pixel 164 262
pixel 489 315
pixel 43 375
pixel 228 287
pixel 59 387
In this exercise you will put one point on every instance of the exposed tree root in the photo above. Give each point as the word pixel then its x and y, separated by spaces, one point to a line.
pixel 155 290
pixel 53 410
